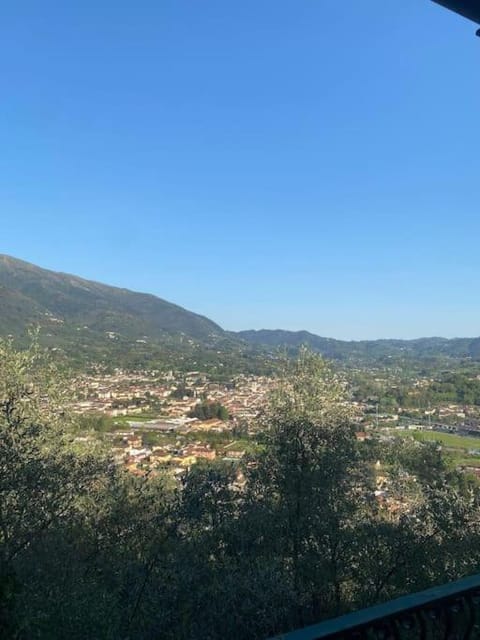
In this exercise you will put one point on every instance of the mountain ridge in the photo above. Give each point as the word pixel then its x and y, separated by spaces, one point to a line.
pixel 370 349
pixel 87 316
pixel 101 307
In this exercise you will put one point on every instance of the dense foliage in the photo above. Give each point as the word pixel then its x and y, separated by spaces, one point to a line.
pixel 449 387
pixel 87 551
pixel 208 410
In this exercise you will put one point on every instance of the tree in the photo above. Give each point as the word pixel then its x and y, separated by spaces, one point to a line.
pixel 281 540
pixel 308 388
pixel 304 491
pixel 207 410
pixel 310 505
pixel 41 476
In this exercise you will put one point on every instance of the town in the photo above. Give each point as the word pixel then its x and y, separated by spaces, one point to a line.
pixel 169 422
pixel 156 421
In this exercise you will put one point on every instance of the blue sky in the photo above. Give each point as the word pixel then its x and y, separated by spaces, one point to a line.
pixel 297 164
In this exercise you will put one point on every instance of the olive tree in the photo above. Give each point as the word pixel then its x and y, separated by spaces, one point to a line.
pixel 42 477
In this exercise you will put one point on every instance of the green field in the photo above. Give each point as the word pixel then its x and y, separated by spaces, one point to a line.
pixel 469 461
pixel 450 440
pixel 142 417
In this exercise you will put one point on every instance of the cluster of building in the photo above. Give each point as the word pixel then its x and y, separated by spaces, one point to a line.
pixel 124 393
pixel 130 450
pixel 164 404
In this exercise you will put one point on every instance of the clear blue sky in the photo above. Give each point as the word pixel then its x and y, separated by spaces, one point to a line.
pixel 297 164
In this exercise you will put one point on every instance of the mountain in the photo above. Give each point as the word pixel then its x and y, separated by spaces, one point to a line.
pixel 30 294
pixel 15 308
pixel 278 338
pixel 365 350
pixel 93 321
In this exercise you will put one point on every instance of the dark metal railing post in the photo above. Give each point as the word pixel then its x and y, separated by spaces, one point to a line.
pixel 449 612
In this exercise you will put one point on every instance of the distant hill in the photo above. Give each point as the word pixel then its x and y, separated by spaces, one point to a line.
pixel 328 347
pixel 93 322
pixel 365 350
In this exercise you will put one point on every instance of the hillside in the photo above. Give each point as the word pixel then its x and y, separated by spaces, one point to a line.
pixel 365 350
pixel 91 321
pixel 15 309
pixel 31 295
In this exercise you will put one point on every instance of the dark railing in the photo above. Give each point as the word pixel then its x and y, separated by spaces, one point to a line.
pixel 468 8
pixel 448 612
